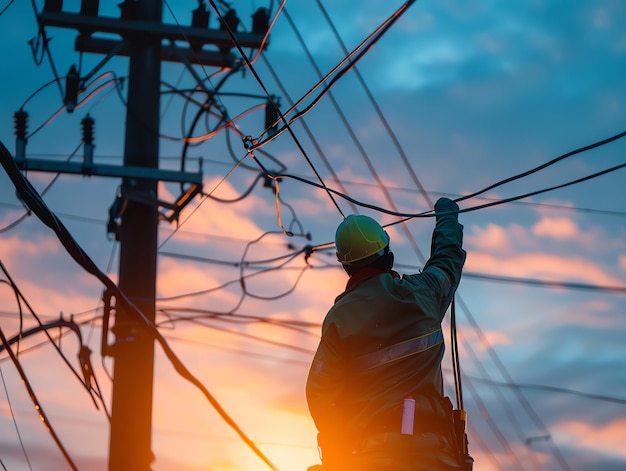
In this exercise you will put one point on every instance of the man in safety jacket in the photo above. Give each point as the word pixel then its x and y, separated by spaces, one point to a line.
pixel 382 343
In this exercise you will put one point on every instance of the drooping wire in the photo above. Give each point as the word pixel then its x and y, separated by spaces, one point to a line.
pixel 429 213
pixel 36 403
pixel 89 379
pixel 288 259
pixel 260 82
pixel 17 429
pixel 225 317
pixel 571 153
pixel 40 326
pixel 41 33
pixel 304 124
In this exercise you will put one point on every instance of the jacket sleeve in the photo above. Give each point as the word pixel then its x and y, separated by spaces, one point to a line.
pixel 446 252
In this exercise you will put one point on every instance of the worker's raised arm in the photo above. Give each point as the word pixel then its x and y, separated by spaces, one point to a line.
pixel 446 252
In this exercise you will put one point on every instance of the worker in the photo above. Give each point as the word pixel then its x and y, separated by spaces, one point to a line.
pixel 380 354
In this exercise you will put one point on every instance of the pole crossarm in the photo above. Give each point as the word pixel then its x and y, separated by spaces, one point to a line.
pixel 87 25
pixel 169 53
pixel 105 170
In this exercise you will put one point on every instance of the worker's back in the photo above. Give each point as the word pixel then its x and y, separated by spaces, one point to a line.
pixel 381 342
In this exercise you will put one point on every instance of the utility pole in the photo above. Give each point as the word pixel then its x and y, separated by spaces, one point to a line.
pixel 135 214
pixel 133 353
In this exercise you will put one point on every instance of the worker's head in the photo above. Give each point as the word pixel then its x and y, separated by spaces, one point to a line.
pixel 361 242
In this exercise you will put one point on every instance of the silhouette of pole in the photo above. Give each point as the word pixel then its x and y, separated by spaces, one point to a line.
pixel 133 350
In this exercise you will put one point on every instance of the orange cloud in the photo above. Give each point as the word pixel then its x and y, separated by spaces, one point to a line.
pixel 549 267
pixel 493 338
pixel 556 228
pixel 604 439
pixel 492 238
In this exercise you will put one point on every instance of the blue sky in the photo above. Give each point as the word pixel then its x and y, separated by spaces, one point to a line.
pixel 473 92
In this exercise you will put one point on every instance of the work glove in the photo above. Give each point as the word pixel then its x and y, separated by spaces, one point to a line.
pixel 446 205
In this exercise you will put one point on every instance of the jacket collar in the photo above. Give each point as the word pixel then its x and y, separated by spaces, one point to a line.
pixel 367 272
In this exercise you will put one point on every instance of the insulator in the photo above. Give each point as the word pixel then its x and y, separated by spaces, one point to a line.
pixel 261 21
pixel 53 5
pixel 88 146
pixel 71 89
pixel 21 124
pixel 88 134
pixel 130 9
pixel 89 7
pixel 231 19
pixel 271 117
pixel 200 16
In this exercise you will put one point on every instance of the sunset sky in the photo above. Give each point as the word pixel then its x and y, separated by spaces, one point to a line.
pixel 455 97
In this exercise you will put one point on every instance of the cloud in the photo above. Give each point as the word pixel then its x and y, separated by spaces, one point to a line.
pixel 491 339
pixel 557 228
pixel 540 265
pixel 539 250
pixel 606 439
pixel 493 238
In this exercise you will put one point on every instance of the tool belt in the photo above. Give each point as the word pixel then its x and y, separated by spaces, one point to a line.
pixel 434 422
pixel 433 416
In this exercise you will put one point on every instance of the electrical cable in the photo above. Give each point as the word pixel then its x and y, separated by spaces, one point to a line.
pixel 290 324
pixel 289 258
pixel 238 351
pixel 495 429
pixel 34 201
pixel 503 371
pixel 555 389
pixel 259 81
pixel 580 150
pixel 20 298
pixel 344 66
pixel 17 429
pixel 305 126
pixel 361 149
pixel 196 320
pixel 38 407
pixel 242 196
pixel 41 32
pixel 83 355
pixel 429 213
pixel 43 192
pixel 521 435
pixel 547 283
pixel 11 2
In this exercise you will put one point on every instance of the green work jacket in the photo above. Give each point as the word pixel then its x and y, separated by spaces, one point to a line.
pixel 381 341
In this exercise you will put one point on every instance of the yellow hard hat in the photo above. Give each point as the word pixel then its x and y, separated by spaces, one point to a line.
pixel 358 238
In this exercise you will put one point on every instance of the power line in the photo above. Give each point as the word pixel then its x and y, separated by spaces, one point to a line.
pixel 35 401
pixel 554 389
